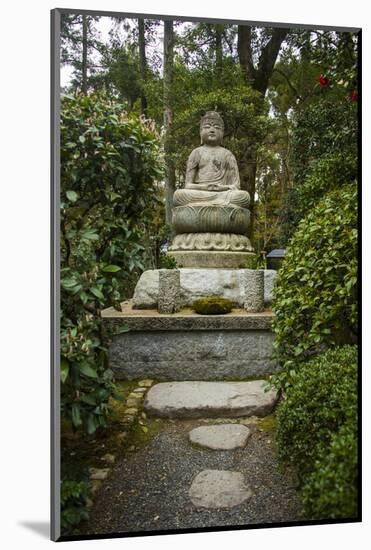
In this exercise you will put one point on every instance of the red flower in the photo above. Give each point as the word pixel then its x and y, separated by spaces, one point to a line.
pixel 354 95
pixel 323 81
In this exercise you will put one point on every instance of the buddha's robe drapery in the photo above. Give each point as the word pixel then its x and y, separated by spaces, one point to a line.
pixel 212 166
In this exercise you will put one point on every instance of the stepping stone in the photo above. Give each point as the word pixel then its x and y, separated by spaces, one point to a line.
pixel 111 459
pixel 223 437
pixel 218 489
pixel 145 383
pixel 132 403
pixel 209 399
pixel 139 390
pixel 98 474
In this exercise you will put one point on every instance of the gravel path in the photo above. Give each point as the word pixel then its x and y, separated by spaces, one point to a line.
pixel 148 488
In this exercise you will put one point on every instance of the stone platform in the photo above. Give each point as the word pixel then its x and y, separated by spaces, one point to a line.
pixel 188 346
pixel 196 283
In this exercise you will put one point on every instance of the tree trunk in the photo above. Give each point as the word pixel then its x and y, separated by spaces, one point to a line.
pixel 218 51
pixel 168 118
pixel 142 65
pixel 258 79
pixel 84 64
pixel 244 51
pixel 248 176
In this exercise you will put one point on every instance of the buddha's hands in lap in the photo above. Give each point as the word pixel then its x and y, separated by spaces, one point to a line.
pixel 207 187
pixel 216 187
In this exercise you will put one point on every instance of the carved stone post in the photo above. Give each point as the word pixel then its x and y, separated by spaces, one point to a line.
pixel 169 291
pixel 254 290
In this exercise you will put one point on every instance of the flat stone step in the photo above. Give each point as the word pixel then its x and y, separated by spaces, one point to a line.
pixel 209 399
pixel 218 489
pixel 222 437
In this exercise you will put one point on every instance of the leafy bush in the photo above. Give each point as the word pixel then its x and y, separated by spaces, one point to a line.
pixel 213 305
pixel 168 262
pixel 317 427
pixel 255 261
pixel 110 163
pixel 322 397
pixel 324 154
pixel 329 172
pixel 74 495
pixel 330 491
pixel 315 295
pixel 326 126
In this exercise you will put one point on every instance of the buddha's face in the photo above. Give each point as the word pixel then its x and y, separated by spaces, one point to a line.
pixel 211 133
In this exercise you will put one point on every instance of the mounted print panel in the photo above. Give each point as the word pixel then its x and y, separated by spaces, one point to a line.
pixel 205 197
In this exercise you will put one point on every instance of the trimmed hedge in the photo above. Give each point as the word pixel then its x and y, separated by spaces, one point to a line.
pixel 330 491
pixel 317 432
pixel 315 295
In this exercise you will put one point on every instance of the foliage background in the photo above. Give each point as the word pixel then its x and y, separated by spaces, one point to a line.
pixel 110 166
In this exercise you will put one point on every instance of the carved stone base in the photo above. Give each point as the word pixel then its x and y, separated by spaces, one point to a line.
pixel 210 218
pixel 189 346
pixel 211 241
pixel 207 258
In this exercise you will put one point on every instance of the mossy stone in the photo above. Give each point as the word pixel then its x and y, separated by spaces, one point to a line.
pixel 213 305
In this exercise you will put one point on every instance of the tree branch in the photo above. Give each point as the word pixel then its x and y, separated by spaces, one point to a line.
pixel 268 58
pixel 298 96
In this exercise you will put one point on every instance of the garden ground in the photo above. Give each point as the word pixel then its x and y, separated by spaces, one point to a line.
pixel 147 487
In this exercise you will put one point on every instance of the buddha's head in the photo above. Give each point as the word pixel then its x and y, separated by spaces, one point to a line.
pixel 211 128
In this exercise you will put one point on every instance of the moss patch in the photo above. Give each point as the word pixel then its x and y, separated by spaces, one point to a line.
pixel 268 423
pixel 118 407
pixel 145 430
pixel 213 305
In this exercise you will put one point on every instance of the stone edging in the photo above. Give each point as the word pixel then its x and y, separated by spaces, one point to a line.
pixel 134 403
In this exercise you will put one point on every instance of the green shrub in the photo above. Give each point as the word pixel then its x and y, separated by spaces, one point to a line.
pixel 74 495
pixel 110 165
pixel 322 397
pixel 315 295
pixel 168 262
pixel 329 172
pixel 323 153
pixel 330 491
pixel 255 261
pixel 213 305
pixel 316 433
pixel 324 127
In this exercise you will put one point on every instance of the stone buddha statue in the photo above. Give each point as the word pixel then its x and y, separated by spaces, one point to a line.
pixel 212 173
pixel 211 213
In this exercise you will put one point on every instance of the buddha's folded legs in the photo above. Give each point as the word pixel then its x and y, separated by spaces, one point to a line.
pixel 239 198
pixel 236 197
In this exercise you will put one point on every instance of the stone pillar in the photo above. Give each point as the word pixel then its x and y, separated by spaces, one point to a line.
pixel 169 291
pixel 254 290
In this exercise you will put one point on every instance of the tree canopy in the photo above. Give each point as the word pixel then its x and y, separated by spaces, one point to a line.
pixel 288 96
